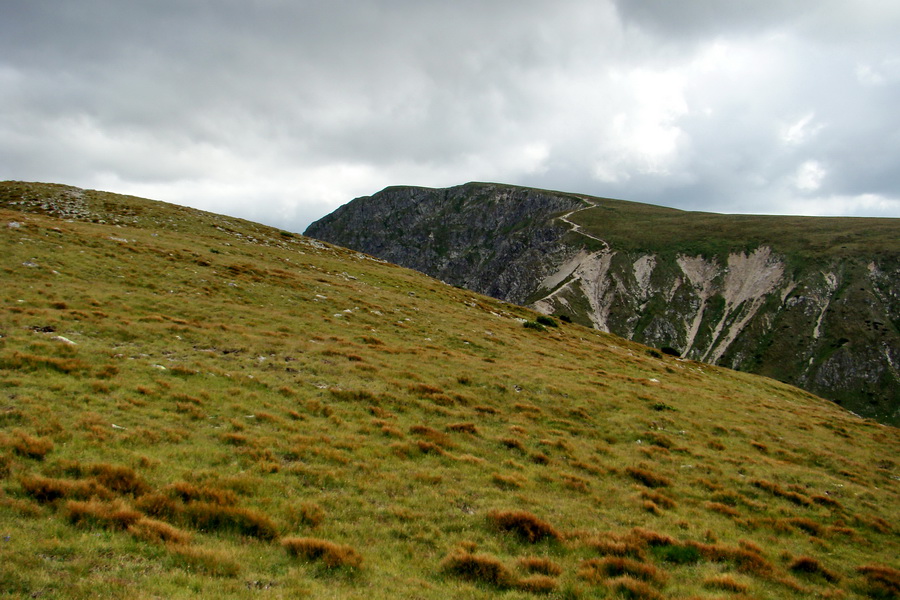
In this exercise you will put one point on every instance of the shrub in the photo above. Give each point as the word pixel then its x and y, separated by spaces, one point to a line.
pixel 214 517
pixel 547 321
pixel 482 568
pixel 648 478
pixel 534 325
pixel 525 525
pixel 543 566
pixel 330 554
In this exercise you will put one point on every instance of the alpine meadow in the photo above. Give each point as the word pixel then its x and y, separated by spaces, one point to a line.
pixel 192 405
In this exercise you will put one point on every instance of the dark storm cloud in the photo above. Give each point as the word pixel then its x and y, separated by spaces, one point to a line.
pixel 279 111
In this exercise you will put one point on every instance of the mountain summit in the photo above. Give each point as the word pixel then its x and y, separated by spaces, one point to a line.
pixel 811 301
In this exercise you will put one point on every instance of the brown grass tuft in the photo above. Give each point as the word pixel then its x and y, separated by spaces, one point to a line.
pixel 647 477
pixel 332 555
pixel 311 514
pixel 744 559
pixel 777 490
pixel 188 492
pixel 727 583
pixel 596 570
pixel 616 546
pixel 880 581
pixel 524 524
pixel 828 502
pixel 482 568
pixel 46 489
pixel 811 566
pixel 469 428
pixel 513 444
pixel 214 517
pixel 540 565
pixel 159 505
pixel 660 500
pixel 633 589
pixel 158 532
pixel 807 525
pixel 114 515
pixel 507 482
pixel 723 509
pixel 432 435
pixel 120 479
pixel 32 362
pixel 28 446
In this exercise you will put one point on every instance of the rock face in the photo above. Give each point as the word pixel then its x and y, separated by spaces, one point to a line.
pixel 490 238
pixel 825 321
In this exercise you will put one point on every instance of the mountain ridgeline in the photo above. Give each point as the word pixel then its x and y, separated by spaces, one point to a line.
pixel 810 301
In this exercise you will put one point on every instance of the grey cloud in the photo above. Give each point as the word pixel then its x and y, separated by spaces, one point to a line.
pixel 282 109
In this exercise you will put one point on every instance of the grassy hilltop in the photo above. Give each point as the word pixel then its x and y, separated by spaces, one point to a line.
pixel 192 405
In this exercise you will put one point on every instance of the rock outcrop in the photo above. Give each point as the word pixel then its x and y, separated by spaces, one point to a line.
pixel 822 319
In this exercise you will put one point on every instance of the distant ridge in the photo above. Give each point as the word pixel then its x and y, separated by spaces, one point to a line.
pixel 813 301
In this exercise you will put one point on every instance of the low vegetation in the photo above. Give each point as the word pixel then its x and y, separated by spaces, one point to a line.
pixel 197 406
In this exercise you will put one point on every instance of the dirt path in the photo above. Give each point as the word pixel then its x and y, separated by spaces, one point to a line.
pixel 577 228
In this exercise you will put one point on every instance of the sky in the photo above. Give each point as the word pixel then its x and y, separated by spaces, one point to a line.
pixel 279 111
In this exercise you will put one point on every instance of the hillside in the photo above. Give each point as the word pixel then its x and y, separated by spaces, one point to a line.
pixel 810 301
pixel 192 405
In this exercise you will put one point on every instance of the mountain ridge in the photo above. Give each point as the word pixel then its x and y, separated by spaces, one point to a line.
pixel 821 310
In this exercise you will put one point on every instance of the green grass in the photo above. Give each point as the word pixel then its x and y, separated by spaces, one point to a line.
pixel 243 412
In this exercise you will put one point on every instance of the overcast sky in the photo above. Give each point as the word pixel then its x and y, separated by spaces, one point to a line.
pixel 281 110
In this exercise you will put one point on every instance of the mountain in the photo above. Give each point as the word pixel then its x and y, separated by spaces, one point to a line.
pixel 197 406
pixel 810 301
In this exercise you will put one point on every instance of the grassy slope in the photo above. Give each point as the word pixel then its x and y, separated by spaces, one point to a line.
pixel 231 386
pixel 633 226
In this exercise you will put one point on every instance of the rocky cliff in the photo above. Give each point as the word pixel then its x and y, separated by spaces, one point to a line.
pixel 810 301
